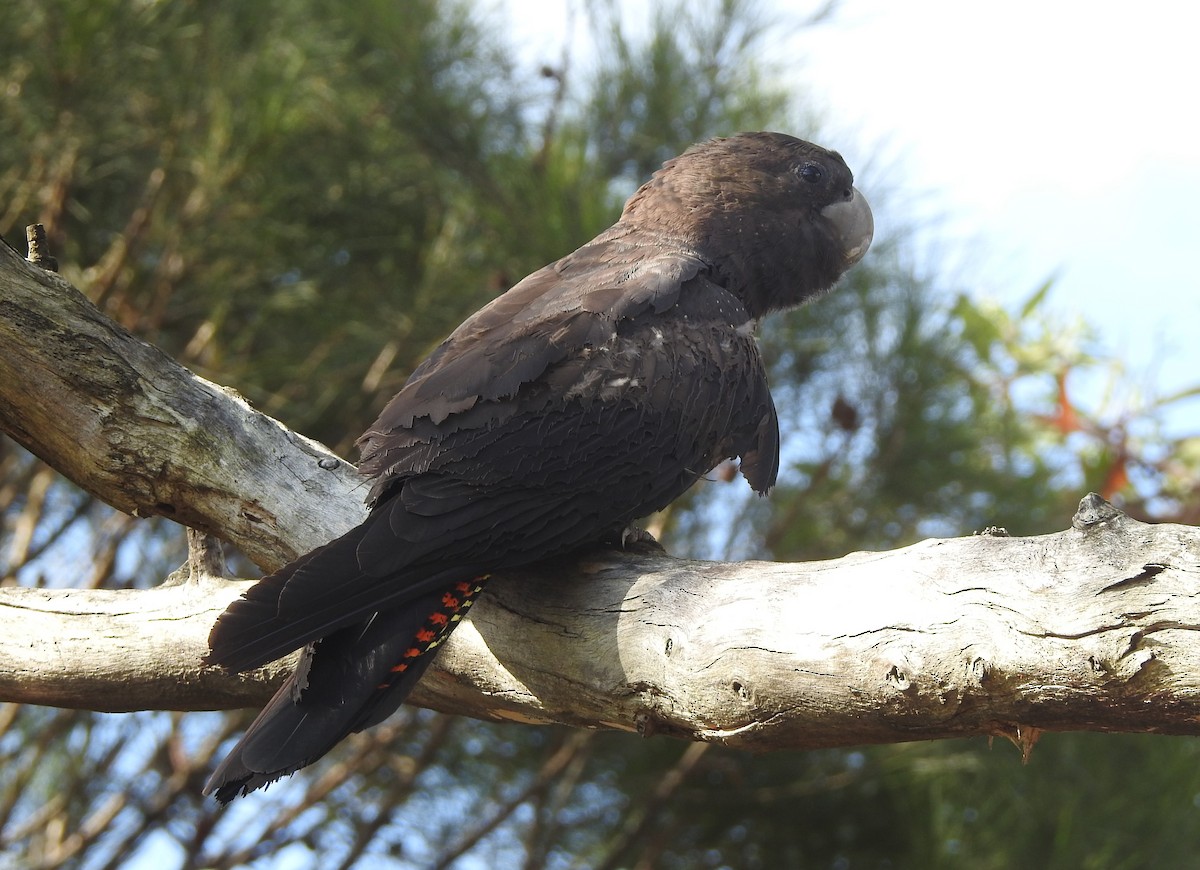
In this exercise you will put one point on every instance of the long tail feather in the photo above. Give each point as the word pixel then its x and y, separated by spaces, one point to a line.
pixel 393 557
pixel 350 680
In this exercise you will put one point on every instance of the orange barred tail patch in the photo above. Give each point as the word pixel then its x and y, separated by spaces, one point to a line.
pixel 438 625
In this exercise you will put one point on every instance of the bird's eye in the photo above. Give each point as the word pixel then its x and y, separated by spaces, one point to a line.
pixel 811 172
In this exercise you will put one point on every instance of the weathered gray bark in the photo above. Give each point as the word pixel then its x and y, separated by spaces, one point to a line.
pixel 139 431
pixel 1092 628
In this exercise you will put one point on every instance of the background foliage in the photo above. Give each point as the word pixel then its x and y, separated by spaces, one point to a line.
pixel 298 199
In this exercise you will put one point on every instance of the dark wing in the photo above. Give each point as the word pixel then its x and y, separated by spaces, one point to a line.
pixel 550 445
pixel 573 303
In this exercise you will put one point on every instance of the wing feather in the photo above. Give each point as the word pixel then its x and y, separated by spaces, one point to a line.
pixel 575 303
pixel 648 423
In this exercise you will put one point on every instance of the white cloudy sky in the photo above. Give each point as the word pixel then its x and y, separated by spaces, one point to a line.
pixel 1053 138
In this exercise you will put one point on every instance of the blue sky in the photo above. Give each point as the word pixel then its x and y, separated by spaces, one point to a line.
pixel 1033 139
pixel 1055 139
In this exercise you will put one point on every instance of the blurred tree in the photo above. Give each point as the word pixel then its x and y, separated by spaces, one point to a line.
pixel 234 181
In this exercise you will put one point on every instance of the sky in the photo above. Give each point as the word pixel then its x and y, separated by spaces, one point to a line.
pixel 1058 138
pixel 1033 139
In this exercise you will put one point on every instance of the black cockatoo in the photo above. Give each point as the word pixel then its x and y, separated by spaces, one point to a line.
pixel 592 393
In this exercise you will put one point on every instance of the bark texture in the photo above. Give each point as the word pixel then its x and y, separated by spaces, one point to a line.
pixel 139 431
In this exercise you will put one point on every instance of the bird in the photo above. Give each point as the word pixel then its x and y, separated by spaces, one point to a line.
pixel 592 393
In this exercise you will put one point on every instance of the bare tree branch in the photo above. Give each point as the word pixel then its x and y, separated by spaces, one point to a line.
pixel 1093 628
pixel 142 433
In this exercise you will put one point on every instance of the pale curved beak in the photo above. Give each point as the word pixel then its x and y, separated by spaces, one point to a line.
pixel 855 225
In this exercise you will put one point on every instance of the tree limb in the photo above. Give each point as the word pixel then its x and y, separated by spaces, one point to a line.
pixel 139 431
pixel 1093 628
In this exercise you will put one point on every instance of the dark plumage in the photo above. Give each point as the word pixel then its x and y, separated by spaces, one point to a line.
pixel 594 392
